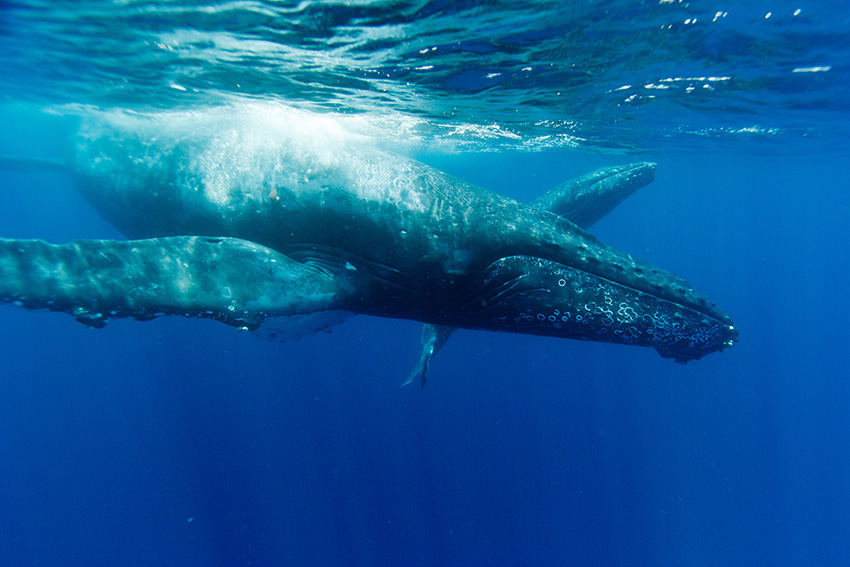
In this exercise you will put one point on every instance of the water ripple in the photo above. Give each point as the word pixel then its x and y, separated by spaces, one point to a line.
pixel 614 75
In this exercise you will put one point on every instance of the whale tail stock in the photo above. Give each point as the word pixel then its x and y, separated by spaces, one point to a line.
pixel 234 281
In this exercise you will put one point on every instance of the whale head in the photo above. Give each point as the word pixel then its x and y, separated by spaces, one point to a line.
pixel 532 295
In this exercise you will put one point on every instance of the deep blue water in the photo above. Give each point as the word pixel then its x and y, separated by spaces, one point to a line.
pixel 178 441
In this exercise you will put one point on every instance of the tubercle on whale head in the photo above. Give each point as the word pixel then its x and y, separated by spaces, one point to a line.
pixel 536 296
pixel 685 354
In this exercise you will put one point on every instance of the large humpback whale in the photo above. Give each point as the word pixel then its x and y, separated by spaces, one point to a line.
pixel 241 216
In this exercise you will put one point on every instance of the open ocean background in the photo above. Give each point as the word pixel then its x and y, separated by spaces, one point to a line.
pixel 184 442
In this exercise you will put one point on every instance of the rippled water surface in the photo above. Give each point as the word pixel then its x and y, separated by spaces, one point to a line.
pixel 619 75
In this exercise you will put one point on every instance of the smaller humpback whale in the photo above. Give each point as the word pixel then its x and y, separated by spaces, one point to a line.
pixel 242 215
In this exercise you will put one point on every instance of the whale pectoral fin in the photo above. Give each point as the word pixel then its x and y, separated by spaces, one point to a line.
pixel 433 339
pixel 234 281
pixel 586 199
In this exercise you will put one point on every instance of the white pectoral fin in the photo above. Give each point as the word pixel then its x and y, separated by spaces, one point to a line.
pixel 433 339
pixel 234 281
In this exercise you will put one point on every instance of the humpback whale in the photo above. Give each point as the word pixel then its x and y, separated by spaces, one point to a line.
pixel 241 216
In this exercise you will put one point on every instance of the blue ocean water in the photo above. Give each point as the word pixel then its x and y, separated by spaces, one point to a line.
pixel 180 441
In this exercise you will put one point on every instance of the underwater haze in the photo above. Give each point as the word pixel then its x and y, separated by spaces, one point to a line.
pixel 185 442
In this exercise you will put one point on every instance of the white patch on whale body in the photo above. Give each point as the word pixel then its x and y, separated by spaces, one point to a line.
pixel 257 148
pixel 237 152
pixel 244 155
pixel 296 327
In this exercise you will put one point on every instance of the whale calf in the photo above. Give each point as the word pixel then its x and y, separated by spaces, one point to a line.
pixel 240 216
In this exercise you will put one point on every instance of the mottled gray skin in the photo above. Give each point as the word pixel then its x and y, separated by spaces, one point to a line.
pixel 336 225
pixel 228 279
pixel 583 201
